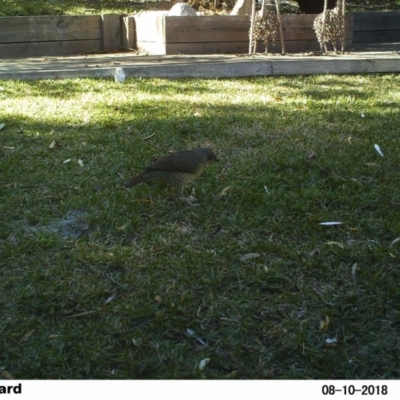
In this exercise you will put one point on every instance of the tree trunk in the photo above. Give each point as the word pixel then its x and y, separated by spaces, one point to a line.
pixel 323 46
pixel 253 15
pixel 278 15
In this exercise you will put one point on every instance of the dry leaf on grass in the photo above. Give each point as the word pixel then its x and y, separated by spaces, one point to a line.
pixel 331 342
pixel 249 256
pixel 123 227
pixel 224 191
pixel 203 363
pixel 373 165
pixel 324 324
pixel 395 241
pixel 353 272
pixel 110 298
pixel 378 150
pixel 82 314
pixel 148 137
pixel 27 336
pixel 311 154
pixel 7 375
pixel 341 245
pixel 198 338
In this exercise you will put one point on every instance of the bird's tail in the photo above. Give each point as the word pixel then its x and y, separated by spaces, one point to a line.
pixel 136 180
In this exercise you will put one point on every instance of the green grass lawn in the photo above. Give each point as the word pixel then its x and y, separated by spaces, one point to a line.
pixel 117 299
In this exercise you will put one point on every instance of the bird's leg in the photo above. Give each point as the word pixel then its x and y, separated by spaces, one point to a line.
pixel 170 190
pixel 180 191
pixel 189 200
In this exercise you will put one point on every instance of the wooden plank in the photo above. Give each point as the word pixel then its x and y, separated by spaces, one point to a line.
pixel 161 34
pixel 334 66
pixel 203 70
pixel 60 74
pixel 207 48
pixel 239 47
pixel 128 32
pixel 229 34
pixel 236 28
pixel 216 28
pixel 197 66
pixel 57 48
pixel 300 27
pixel 376 20
pixel 111 31
pixel 376 37
pixel 44 28
pixel 376 47
pixel 267 67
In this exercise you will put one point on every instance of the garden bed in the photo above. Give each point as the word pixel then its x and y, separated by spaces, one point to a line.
pixel 157 33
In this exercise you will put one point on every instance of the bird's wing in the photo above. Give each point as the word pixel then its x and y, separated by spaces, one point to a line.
pixel 183 161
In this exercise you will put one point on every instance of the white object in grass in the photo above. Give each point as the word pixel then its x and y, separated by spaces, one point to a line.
pixel 395 241
pixel 119 75
pixel 203 363
pixel 249 256
pixel 191 333
pixel 378 149
pixel 330 341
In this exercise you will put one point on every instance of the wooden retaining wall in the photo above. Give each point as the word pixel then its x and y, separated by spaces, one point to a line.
pixel 59 35
pixel 157 33
pixel 376 27
pixel 66 35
